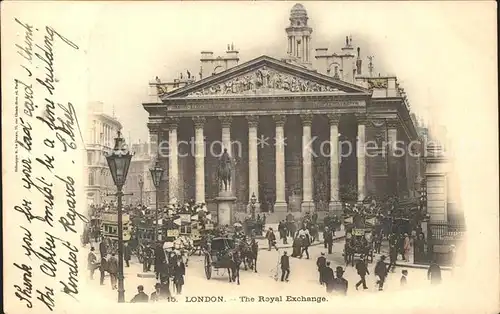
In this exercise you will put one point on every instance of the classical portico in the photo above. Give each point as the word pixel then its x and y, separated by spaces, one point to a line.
pixel 298 138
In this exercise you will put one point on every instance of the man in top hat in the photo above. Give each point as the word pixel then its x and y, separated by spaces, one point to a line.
pixel 381 271
pixel 340 284
pixel 271 239
pixel 328 277
pixel 321 263
pixel 156 295
pixel 285 266
pixel 362 270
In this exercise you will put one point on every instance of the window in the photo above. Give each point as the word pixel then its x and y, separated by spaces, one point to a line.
pixel 91 178
pixel 89 158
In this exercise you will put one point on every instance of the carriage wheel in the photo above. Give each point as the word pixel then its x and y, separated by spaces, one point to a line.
pixel 208 268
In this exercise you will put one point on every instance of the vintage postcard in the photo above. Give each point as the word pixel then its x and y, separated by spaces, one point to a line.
pixel 250 157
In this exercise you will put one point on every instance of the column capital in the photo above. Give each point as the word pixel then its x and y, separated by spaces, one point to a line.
pixel 279 119
pixel 361 118
pixel 225 121
pixel 392 123
pixel 172 123
pixel 306 119
pixel 333 118
pixel 253 121
pixel 154 127
pixel 199 121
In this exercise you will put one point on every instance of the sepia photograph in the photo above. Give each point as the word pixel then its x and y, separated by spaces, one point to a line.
pixel 250 156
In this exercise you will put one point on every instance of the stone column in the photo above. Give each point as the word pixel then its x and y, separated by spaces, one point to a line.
pixel 335 205
pixel 280 206
pixel 253 162
pixel 392 138
pixel 307 149
pixel 173 161
pixel 361 152
pixel 226 144
pixel 199 123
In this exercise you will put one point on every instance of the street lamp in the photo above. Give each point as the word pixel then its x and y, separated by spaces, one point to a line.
pixel 253 201
pixel 119 161
pixel 141 186
pixel 156 173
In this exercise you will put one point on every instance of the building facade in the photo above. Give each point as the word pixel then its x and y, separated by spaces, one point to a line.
pixel 296 128
pixel 139 172
pixel 102 129
pixel 442 188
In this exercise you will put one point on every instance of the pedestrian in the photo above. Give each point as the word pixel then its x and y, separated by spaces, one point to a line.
pixel 156 295
pixel 296 245
pixel 321 263
pixel 292 227
pixel 179 272
pixel 304 242
pixel 340 284
pixel 285 266
pixel 328 239
pixel 92 261
pixel 149 257
pixel 378 242
pixel 406 246
pixel 401 246
pixel 362 270
pixel 328 277
pixel 103 250
pixel 271 239
pixel 140 296
pixel 113 270
pixel 381 272
pixel 126 254
pixel 404 275
pixel 434 273
pixel 103 267
pixel 283 231
pixel 393 256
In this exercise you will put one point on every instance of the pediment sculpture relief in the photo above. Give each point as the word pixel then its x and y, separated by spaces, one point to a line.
pixel 264 78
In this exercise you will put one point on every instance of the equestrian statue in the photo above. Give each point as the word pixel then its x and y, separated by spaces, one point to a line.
pixel 224 170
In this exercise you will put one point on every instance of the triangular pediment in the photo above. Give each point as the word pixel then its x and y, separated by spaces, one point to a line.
pixel 264 75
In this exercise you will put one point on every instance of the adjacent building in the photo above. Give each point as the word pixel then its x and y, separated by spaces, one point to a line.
pixel 139 181
pixel 102 129
pixel 264 111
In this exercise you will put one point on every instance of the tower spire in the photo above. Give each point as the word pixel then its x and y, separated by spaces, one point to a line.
pixel 299 35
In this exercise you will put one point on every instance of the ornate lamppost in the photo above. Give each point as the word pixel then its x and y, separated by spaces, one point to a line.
pixel 141 186
pixel 253 201
pixel 156 173
pixel 119 161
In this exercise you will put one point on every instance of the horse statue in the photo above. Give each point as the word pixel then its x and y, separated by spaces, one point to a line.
pixel 224 170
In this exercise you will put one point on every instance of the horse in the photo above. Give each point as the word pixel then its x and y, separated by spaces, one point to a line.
pixel 184 245
pixel 234 266
pixel 247 255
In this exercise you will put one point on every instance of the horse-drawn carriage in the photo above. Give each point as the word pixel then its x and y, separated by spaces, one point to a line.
pixel 220 254
pixel 359 238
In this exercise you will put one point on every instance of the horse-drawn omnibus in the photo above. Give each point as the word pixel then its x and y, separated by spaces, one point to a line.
pixel 109 228
pixel 359 238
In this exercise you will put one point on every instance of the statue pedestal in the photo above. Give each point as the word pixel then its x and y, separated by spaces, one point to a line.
pixel 225 206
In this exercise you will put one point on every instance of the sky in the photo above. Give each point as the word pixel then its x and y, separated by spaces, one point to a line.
pixel 427 45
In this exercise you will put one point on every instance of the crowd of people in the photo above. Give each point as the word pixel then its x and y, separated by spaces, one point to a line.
pixel 170 268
